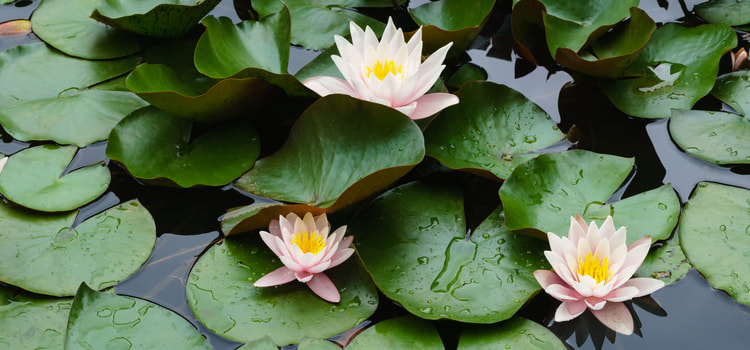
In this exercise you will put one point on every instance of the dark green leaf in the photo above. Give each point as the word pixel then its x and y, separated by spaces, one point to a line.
pixel 405 332
pixel 455 21
pixel 160 18
pixel 515 333
pixel 729 12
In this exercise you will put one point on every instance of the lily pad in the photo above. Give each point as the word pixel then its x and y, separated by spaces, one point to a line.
pixel 714 231
pixel 34 178
pixel 466 73
pixel 154 144
pixel 515 333
pixel 42 253
pixel 104 321
pixel 31 321
pixel 405 332
pixel 492 129
pixel 50 96
pixel 66 25
pixel 717 137
pixel 315 22
pixel 413 241
pixel 667 263
pixel 160 18
pixel 542 194
pixel 453 21
pixel 734 90
pixel 729 12
pixel 677 67
pixel 221 294
pixel 340 150
pixel 317 344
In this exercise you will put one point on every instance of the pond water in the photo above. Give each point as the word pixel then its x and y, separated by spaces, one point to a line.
pixel 686 314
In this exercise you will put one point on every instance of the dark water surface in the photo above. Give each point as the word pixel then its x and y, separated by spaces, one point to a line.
pixel 688 314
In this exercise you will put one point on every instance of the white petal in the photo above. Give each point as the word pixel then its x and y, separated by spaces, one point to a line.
pixel 325 86
pixel 358 36
pixel 430 104
pixel 407 109
pixel 270 241
pixel 415 42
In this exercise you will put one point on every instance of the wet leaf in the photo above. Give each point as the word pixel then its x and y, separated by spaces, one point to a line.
pixel 32 321
pixel 717 137
pixel 405 332
pixel 667 263
pixel 492 129
pixel 43 254
pixel 265 343
pixel 729 12
pixel 104 321
pixel 160 18
pixel 34 179
pixel 453 21
pixel 515 333
pixel 221 294
pixel 466 73
pixel 734 90
pixel 412 240
pixel 317 344
pixel 15 27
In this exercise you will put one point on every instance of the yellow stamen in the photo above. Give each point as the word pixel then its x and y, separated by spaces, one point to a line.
pixel 593 267
pixel 309 242
pixel 381 69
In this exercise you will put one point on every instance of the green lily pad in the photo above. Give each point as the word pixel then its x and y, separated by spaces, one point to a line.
pixel 492 129
pixel 734 90
pixel 466 73
pixel 317 344
pixel 729 12
pixel 321 65
pixel 49 96
pixel 34 179
pixel 717 137
pixel 43 254
pixel 412 240
pixel 31 321
pixel 453 21
pixel 515 333
pixel 265 343
pixel 405 332
pixel 160 18
pixel 542 194
pixel 66 25
pixel 340 150
pixel 667 263
pixel 677 67
pixel 104 321
pixel 315 22
pixel 714 231
pixel 154 144
pixel 221 294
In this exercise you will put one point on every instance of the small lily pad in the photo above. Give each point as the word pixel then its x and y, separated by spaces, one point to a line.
pixel 729 12
pixel 717 137
pixel 160 18
pixel 221 294
pixel 734 90
pixel 453 21
pixel 714 231
pixel 405 332
pixel 104 321
pixel 31 321
pixel 34 179
pixel 666 263
pixel 42 253
pixel 515 333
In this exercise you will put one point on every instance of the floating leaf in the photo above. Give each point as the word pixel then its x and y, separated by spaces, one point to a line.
pixel 317 344
pixel 729 12
pixel 265 343
pixel 66 25
pixel 677 67
pixel 154 144
pixel 734 90
pixel 492 129
pixel 34 179
pixel 717 137
pixel 104 321
pixel 160 18
pixel 50 96
pixel 515 333
pixel 31 321
pixel 543 193
pixel 714 231
pixel 405 332
pixel 42 253
pixel 667 263
pixel 466 73
pixel 413 241
pixel 221 294
pixel 321 65
pixel 453 21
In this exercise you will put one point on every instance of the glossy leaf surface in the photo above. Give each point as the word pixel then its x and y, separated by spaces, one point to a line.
pixel 160 18
pixel 405 332
pixel 31 321
pixel 734 89
pixel 717 137
pixel 515 333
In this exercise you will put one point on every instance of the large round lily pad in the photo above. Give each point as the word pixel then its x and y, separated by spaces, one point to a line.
pixel 449 21
pixel 34 178
pixel 154 144
pixel 492 129
pixel 543 193
pixel 413 241
pixel 104 321
pixel 734 89
pixel 221 294
pixel 405 332
pixel 47 95
pixel 43 254
pixel 717 137
pixel 31 321
pixel 160 18
pixel 715 235
pixel 729 12
pixel 516 333
pixel 68 27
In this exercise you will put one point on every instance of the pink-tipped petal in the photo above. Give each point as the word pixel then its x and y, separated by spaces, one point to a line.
pixel 2 163
pixel 645 286
pixel 430 104
pixel 547 278
pixel 271 241
pixel 279 276
pixel 569 310
pixel 320 267
pixel 303 277
pixel 622 294
pixel 408 109
pixel 562 293
pixel 595 303
pixel 340 256
pixel 616 317
pixel 321 285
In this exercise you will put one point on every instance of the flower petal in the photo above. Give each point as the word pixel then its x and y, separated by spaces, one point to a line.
pixel 430 104
pixel 340 256
pixel 321 285
pixel 325 86
pixel 622 294
pixel 595 303
pixel 270 241
pixel 547 278
pixel 569 310
pixel 279 276
pixel 616 317
pixel 645 286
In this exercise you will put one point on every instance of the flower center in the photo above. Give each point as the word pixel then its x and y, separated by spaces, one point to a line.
pixel 591 265
pixel 381 69
pixel 309 242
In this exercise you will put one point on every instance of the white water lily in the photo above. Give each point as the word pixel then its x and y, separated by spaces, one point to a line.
pixel 389 72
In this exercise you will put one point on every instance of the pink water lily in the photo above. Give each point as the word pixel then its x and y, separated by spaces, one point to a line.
pixel 592 269
pixel 306 249
pixel 389 72
pixel 739 60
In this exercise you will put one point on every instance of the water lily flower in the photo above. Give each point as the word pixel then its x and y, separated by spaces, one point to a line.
pixel 592 269
pixel 739 60
pixel 389 72
pixel 306 249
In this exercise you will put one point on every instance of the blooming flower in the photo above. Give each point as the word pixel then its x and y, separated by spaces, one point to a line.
pixel 389 72
pixel 739 60
pixel 592 269
pixel 306 249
